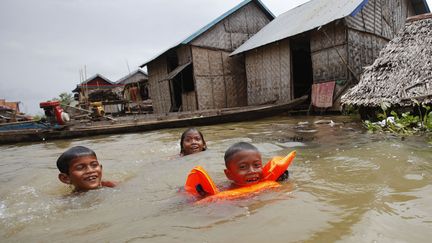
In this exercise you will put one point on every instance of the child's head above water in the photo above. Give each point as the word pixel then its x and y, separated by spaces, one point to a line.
pixel 192 141
pixel 79 167
pixel 243 164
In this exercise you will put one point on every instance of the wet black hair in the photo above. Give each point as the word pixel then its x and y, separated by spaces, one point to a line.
pixel 63 162
pixel 183 136
pixel 235 148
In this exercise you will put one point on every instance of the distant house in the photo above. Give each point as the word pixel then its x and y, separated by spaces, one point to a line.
pixel 320 48
pixel 136 92
pixel 135 86
pixel 10 112
pixel 10 106
pixel 100 89
pixel 85 91
pixel 402 72
pixel 197 73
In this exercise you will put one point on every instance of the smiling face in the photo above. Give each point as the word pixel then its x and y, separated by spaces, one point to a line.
pixel 244 168
pixel 85 173
pixel 192 143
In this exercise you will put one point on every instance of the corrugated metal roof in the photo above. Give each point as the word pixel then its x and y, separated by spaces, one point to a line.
pixel 95 76
pixel 213 23
pixel 305 17
pixel 308 16
pixel 123 80
pixel 420 6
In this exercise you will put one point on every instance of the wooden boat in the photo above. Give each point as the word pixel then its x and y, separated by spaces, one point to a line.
pixel 149 122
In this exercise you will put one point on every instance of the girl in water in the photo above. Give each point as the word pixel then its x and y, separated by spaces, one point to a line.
pixel 192 141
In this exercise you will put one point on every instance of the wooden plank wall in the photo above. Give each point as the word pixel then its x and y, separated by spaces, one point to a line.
pixel 327 65
pixel 158 85
pixel 219 79
pixel 234 30
pixel 268 71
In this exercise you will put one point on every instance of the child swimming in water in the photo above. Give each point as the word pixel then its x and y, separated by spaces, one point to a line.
pixel 244 165
pixel 79 167
pixel 192 141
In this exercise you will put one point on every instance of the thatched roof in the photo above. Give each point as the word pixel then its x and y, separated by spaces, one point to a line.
pixel 403 70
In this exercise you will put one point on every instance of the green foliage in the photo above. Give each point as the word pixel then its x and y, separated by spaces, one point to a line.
pixel 372 127
pixel 405 123
pixel 64 98
pixel 350 110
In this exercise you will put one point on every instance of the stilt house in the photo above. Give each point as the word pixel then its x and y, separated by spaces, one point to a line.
pixel 321 48
pixel 135 86
pixel 100 89
pixel 91 85
pixel 135 92
pixel 197 73
pixel 401 74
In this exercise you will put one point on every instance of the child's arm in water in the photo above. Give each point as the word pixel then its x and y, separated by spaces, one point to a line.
pixel 284 176
pixel 109 184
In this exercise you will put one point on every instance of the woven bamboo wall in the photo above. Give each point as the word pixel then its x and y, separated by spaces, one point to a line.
pixel 189 101
pixel 158 85
pixel 184 54
pixel 268 71
pixel 234 30
pixel 219 79
pixel 363 49
pixel 325 44
pixel 382 17
pixel 371 29
pixel 235 80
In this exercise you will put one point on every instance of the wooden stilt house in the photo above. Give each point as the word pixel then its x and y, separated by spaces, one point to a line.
pixel 99 89
pixel 93 84
pixel 135 92
pixel 197 73
pixel 320 48
pixel 135 86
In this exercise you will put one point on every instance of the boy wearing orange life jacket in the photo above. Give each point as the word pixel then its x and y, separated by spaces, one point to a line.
pixel 79 167
pixel 244 165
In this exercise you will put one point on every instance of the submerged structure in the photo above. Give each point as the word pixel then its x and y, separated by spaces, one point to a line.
pixel 197 73
pixel 320 48
pixel 402 74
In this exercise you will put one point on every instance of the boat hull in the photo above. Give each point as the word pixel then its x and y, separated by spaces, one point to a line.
pixel 140 125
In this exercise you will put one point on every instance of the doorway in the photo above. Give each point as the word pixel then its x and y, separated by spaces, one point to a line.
pixel 301 65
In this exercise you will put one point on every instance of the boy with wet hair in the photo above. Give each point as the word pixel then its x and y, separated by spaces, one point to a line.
pixel 244 165
pixel 79 167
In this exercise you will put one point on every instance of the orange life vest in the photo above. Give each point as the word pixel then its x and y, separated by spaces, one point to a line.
pixel 199 183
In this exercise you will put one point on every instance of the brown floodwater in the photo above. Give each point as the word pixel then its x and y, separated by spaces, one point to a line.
pixel 346 185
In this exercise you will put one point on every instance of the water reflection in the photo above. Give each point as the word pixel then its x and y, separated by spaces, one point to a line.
pixel 346 185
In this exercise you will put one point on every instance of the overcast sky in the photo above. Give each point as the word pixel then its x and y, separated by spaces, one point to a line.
pixel 45 43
